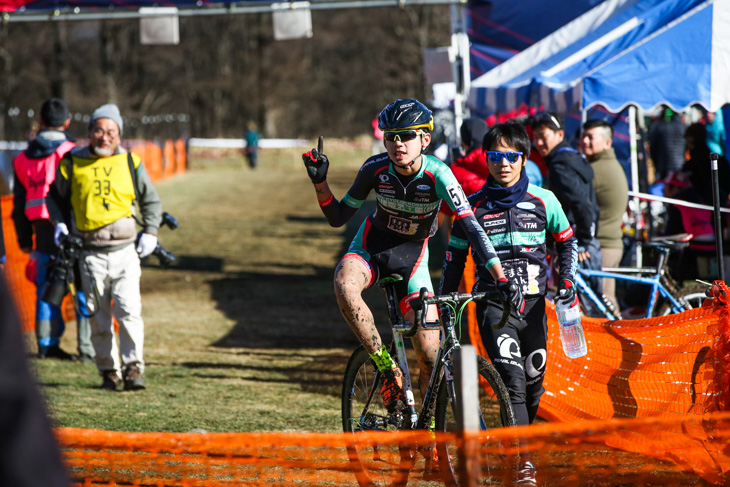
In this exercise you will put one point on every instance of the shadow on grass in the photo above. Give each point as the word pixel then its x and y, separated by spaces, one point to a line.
pixel 286 311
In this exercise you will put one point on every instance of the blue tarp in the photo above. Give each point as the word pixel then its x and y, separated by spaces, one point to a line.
pixel 657 51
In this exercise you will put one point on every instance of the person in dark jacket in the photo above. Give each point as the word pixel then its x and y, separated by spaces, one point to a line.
pixel 34 172
pixel 570 177
pixel 30 454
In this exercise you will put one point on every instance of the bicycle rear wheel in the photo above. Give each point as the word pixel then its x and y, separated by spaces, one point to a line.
pixel 495 411
pixel 363 410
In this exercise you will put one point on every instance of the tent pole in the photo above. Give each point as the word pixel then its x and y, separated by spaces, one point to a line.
pixel 717 220
pixel 460 53
pixel 635 178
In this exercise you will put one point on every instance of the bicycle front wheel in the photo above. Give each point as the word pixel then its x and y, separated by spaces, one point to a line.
pixel 495 411
pixel 691 296
pixel 363 410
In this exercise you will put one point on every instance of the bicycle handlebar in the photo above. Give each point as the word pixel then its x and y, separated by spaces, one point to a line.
pixel 423 301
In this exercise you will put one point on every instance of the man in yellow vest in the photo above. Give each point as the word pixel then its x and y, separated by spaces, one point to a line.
pixel 93 197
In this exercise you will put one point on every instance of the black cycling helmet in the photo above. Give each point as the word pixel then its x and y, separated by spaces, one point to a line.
pixel 403 115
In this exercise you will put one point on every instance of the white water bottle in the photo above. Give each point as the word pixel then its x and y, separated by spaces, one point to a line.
pixel 571 331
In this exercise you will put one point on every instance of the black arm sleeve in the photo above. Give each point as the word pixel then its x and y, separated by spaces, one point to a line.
pixel 479 241
pixel 337 212
pixel 59 198
pixel 567 258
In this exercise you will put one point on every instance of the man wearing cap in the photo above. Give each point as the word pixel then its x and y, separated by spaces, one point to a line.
pixel 93 197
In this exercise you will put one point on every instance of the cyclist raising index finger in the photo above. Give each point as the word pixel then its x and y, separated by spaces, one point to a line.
pixel 409 187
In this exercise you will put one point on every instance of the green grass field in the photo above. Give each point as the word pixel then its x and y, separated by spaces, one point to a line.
pixel 243 333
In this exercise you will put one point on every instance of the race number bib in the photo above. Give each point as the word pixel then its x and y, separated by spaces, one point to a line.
pixel 523 274
pixel 402 225
pixel 458 198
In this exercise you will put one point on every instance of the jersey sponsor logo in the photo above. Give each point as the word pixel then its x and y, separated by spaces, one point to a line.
pixel 449 256
pixel 526 216
pixel 422 200
pixel 386 191
pixel 565 234
pixel 494 215
pixel 423 187
pixel 464 212
pixel 528 225
pixel 384 178
pixel 529 250
pixel 535 363
pixel 519 238
pixel 526 205
pixel 509 349
pixel 494 223
pixel 492 231
pixel 406 206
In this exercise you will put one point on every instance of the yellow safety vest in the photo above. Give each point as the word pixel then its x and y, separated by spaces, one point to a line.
pixel 102 190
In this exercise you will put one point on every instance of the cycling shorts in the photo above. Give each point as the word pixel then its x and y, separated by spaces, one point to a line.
pixel 384 255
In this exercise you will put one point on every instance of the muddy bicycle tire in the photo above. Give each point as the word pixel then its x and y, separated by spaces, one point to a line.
pixel 495 410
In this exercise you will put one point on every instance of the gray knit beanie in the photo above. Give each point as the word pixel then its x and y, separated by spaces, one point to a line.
pixel 110 111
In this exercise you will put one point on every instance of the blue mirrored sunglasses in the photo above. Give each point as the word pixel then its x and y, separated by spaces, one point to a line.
pixel 495 157
pixel 404 136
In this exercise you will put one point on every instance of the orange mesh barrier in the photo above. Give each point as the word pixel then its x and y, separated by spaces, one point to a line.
pixel 180 156
pixel 656 392
pixel 151 155
pixel 169 159
pixel 22 290
pixel 569 455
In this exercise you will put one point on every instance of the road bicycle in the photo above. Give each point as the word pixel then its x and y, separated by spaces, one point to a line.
pixel 665 297
pixel 363 408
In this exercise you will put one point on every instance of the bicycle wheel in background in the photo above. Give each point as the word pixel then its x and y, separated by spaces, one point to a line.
pixel 692 296
pixel 495 409
pixel 363 410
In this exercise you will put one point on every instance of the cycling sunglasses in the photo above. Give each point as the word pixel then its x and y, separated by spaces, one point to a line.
pixel 403 136
pixel 495 157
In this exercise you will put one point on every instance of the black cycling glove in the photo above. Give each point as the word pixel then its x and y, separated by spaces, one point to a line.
pixel 511 294
pixel 566 292
pixel 317 165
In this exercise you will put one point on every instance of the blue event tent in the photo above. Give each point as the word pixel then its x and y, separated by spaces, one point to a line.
pixel 674 52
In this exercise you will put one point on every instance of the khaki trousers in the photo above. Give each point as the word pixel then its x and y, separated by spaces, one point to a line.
pixel 116 275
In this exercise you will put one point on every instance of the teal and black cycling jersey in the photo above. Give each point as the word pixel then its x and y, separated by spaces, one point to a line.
pixel 519 236
pixel 407 206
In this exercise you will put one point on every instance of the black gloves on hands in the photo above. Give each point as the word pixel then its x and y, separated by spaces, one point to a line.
pixel 511 293
pixel 317 165
pixel 567 293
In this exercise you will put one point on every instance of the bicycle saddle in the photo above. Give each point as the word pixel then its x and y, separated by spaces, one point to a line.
pixel 673 242
pixel 389 279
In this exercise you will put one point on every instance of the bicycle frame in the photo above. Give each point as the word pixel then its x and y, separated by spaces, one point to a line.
pixel 448 342
pixel 656 282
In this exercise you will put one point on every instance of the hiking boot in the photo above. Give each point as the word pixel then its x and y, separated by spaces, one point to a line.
pixel 392 390
pixel 54 351
pixel 525 475
pixel 133 380
pixel 110 380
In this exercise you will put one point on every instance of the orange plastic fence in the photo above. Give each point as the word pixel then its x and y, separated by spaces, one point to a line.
pixel 24 291
pixel 647 406
pixel 567 454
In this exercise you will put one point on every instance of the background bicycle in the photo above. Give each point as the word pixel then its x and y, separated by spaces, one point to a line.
pixel 363 409
pixel 659 292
